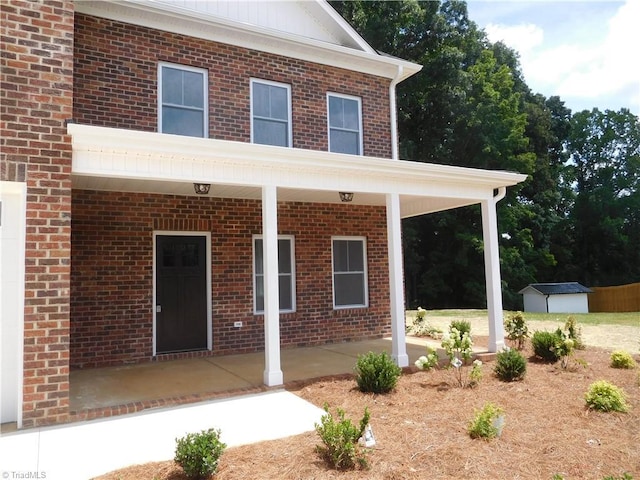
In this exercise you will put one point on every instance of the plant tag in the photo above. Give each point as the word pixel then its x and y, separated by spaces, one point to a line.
pixel 367 439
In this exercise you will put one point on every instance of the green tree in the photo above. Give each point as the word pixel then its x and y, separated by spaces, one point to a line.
pixel 605 165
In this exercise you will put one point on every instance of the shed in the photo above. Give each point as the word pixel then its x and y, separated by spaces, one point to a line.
pixel 564 297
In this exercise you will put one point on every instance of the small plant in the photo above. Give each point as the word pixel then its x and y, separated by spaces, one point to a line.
pixel 574 332
pixel 340 447
pixel 428 361
pixel 199 453
pixel 376 373
pixel 564 347
pixel 487 422
pixel 622 359
pixel 462 326
pixel 624 476
pixel 517 330
pixel 606 397
pixel 510 365
pixel 421 326
pixel 544 345
pixel 458 347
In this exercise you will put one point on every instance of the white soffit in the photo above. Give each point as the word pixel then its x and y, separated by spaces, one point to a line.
pixel 128 160
pixel 307 30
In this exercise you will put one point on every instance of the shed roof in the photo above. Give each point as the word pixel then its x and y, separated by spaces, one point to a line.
pixel 556 288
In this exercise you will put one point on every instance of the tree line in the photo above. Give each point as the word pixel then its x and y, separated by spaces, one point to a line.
pixel 576 218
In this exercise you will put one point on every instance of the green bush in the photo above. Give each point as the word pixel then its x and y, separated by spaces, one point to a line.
pixel 544 345
pixel 622 359
pixel 510 365
pixel 376 373
pixel 463 326
pixel 340 437
pixel 606 397
pixel 624 476
pixel 485 422
pixel 516 328
pixel 198 453
pixel 574 332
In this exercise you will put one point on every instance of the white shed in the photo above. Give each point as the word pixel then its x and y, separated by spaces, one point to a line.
pixel 566 297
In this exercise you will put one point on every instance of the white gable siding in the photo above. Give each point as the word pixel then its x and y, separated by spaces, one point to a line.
pixel 285 16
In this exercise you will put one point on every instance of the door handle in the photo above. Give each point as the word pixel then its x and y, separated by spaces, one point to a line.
pixel 158 308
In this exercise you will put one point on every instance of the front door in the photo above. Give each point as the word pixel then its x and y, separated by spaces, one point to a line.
pixel 181 293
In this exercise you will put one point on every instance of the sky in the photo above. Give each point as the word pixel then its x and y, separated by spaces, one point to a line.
pixel 585 51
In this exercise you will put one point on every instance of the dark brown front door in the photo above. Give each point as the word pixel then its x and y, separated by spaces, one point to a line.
pixel 181 293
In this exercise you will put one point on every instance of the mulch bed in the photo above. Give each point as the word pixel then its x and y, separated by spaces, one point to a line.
pixel 421 429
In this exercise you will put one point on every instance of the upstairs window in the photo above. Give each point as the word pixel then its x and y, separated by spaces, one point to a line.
pixel 286 274
pixel 182 100
pixel 345 124
pixel 349 272
pixel 270 113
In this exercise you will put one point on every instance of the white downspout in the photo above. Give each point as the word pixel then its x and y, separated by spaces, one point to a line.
pixel 394 114
pixel 394 248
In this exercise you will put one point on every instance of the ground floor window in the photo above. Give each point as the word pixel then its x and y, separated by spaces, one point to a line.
pixel 286 274
pixel 349 272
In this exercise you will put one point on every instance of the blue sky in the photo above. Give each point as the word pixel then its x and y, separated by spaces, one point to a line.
pixel 585 51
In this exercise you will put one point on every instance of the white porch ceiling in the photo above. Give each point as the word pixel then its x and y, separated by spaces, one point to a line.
pixel 133 161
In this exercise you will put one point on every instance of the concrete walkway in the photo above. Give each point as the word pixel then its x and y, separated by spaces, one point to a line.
pixel 84 450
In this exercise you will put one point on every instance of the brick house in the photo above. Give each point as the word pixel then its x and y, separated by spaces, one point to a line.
pixel 185 179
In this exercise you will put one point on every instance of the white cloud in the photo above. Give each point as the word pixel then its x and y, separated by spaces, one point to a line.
pixel 603 66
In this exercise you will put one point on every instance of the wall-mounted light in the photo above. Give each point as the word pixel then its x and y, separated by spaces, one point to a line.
pixel 346 196
pixel 201 188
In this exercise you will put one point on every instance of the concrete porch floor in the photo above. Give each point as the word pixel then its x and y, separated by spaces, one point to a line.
pixel 115 386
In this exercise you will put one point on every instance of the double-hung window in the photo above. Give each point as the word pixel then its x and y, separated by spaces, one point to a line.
pixel 349 272
pixel 270 113
pixel 182 100
pixel 286 274
pixel 345 124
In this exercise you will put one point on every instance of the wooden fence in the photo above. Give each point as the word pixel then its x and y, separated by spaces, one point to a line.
pixel 624 298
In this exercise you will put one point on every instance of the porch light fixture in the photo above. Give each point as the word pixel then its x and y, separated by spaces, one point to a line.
pixel 346 196
pixel 201 188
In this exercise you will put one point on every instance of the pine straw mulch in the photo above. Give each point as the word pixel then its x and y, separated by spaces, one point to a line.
pixel 421 430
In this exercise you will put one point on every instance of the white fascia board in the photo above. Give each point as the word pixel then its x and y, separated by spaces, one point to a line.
pixel 118 153
pixel 170 18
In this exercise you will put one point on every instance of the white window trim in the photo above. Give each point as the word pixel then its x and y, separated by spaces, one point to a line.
pixel 289 109
pixel 291 239
pixel 205 88
pixel 360 132
pixel 365 273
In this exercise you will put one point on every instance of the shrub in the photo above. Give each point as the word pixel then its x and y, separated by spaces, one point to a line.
pixel 574 332
pixel 510 365
pixel 622 359
pixel 198 453
pixel 376 373
pixel 340 440
pixel 516 328
pixel 462 326
pixel 606 397
pixel 486 422
pixel 624 476
pixel 544 345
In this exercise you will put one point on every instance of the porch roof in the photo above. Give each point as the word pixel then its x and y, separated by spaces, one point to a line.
pixel 136 161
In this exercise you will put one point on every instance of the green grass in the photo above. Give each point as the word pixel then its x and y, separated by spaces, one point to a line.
pixel 631 319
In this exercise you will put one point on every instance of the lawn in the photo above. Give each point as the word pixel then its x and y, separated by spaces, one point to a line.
pixel 631 319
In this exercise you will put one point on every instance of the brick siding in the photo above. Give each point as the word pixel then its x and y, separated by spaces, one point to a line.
pixel 112 269
pixel 115 84
pixel 36 100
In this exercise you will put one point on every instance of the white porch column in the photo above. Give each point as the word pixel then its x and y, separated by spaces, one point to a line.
pixel 272 370
pixel 492 272
pixel 396 284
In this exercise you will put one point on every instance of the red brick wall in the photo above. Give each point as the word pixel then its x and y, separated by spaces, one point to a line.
pixel 111 308
pixel 115 84
pixel 35 101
